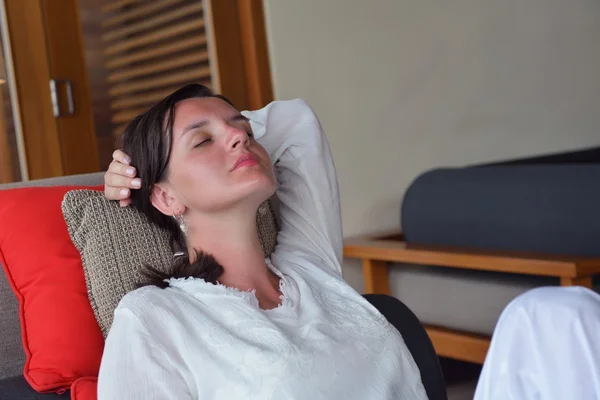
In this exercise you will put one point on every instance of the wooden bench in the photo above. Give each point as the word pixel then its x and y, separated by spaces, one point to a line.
pixel 376 251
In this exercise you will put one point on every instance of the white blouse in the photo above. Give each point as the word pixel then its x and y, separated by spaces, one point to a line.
pixel 196 340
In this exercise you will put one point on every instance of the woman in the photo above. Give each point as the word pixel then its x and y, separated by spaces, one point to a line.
pixel 240 326
pixel 545 346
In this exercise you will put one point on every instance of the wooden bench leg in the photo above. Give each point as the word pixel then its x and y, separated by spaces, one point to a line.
pixel 585 281
pixel 462 346
pixel 375 274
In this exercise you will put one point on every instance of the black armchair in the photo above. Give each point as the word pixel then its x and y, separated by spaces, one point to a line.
pixel 417 341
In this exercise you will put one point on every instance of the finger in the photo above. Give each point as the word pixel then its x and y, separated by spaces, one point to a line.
pixel 119 182
pixel 116 193
pixel 119 168
pixel 124 203
pixel 120 156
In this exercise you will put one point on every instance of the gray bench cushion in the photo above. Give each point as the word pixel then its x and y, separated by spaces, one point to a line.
pixel 542 209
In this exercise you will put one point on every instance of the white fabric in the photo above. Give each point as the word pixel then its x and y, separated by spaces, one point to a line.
pixel 195 340
pixel 546 346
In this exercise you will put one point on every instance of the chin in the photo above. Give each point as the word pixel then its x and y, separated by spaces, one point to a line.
pixel 262 188
pixel 256 187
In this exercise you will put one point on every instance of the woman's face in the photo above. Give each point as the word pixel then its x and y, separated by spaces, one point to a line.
pixel 216 164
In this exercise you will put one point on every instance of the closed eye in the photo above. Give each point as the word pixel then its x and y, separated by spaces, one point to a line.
pixel 202 143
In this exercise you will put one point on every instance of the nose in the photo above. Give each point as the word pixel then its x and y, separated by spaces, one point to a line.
pixel 238 138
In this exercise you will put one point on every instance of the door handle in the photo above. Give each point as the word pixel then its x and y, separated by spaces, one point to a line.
pixel 54 96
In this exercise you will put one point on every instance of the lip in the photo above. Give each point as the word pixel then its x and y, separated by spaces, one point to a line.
pixel 245 160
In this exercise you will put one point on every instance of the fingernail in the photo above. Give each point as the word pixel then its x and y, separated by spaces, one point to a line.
pixel 130 171
pixel 124 192
pixel 137 182
pixel 126 160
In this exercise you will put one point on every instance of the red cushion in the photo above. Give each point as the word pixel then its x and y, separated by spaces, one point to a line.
pixel 85 389
pixel 61 338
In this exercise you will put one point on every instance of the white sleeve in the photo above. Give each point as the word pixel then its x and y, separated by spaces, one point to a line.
pixel 135 367
pixel 306 181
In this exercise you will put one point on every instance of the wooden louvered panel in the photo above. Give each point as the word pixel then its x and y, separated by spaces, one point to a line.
pixel 161 66
pixel 152 48
pixel 191 75
pixel 123 117
pixel 143 10
pixel 142 99
pixel 152 22
pixel 162 34
pixel 155 52
pixel 118 131
pixel 126 116
pixel 118 5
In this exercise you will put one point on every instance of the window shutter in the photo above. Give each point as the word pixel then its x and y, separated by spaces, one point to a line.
pixel 152 48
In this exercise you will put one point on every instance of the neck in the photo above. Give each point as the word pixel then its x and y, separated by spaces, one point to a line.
pixel 233 241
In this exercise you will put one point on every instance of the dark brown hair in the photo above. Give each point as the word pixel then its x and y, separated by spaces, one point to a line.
pixel 147 140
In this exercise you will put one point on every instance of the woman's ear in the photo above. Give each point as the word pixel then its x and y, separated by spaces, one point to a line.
pixel 164 201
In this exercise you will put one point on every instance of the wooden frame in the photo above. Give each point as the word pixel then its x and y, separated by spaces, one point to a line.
pixel 238 51
pixel 256 55
pixel 46 44
pixel 376 251
pixel 26 25
pixel 7 174
pixel 66 61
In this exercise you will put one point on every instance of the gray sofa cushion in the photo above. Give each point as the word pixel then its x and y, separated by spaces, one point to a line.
pixel 17 388
pixel 12 356
pixel 96 178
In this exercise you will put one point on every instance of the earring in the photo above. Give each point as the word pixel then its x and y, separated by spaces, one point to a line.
pixel 181 222
pixel 178 254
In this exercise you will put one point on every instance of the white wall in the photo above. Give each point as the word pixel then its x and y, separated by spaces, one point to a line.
pixel 402 86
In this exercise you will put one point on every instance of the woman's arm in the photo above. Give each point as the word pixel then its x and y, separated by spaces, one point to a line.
pixel 135 367
pixel 307 183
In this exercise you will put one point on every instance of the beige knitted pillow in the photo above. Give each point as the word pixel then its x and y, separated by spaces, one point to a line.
pixel 116 243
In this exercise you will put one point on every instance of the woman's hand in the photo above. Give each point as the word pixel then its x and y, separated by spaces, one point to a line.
pixel 120 179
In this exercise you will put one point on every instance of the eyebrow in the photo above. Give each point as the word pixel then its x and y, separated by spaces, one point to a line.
pixel 200 124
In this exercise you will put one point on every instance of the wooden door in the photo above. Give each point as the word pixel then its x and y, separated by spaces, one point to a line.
pixel 67 67
pixel 46 47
